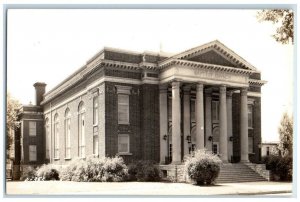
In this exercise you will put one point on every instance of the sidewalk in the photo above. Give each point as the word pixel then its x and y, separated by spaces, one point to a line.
pixel 145 188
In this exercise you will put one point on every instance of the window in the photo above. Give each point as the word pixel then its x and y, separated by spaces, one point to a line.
pixel 47 139
pixel 123 109
pixel 215 148
pixel 268 151
pixel 192 106
pixel 67 134
pixel 123 143
pixel 95 110
pixel 95 145
pixel 215 110
pixel 32 153
pixel 250 116
pixel 81 128
pixel 32 128
pixel 250 144
pixel 169 108
pixel 56 137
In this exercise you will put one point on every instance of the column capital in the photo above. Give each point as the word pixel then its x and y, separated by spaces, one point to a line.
pixel 175 84
pixel 229 94
pixel 199 86
pixel 244 91
pixel 222 89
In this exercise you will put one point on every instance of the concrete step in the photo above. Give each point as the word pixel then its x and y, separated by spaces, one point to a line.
pixel 231 173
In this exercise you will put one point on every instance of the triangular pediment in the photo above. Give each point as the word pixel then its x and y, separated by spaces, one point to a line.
pixel 215 53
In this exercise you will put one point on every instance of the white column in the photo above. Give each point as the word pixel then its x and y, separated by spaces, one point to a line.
pixel 229 123
pixel 244 126
pixel 199 117
pixel 208 125
pixel 186 118
pixel 176 130
pixel 223 125
pixel 163 118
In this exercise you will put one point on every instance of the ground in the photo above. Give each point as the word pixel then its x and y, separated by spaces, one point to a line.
pixel 145 188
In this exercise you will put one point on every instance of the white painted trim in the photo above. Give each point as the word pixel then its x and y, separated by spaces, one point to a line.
pixel 253 94
pixel 33 119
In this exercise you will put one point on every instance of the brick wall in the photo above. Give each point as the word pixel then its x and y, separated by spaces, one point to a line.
pixel 150 122
pixel 112 128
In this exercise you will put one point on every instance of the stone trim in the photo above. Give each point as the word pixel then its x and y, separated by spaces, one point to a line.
pixel 172 61
pixel 255 82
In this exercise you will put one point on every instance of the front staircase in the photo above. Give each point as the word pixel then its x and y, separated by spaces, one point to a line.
pixel 238 172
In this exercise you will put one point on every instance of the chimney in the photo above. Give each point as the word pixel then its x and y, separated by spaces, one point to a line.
pixel 39 92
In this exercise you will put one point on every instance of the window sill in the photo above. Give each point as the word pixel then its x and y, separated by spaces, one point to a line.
pixel 124 154
pixel 55 159
pixel 68 158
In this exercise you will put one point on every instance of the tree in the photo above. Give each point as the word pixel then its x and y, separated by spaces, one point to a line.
pixel 286 135
pixel 11 119
pixel 284 18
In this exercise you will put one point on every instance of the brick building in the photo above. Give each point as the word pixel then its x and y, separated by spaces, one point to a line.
pixel 149 106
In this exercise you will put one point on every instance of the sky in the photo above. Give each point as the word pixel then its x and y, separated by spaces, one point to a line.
pixel 49 45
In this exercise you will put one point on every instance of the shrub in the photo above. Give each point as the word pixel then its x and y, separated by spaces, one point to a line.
pixel 47 172
pixel 95 170
pixel 144 171
pixel 281 166
pixel 29 174
pixel 203 167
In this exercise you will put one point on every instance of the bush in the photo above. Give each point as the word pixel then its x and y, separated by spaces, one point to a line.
pixel 203 167
pixel 95 170
pixel 47 172
pixel 29 174
pixel 144 171
pixel 281 166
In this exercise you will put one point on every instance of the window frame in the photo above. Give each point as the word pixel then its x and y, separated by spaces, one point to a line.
pixel 123 91
pixel 67 134
pixel 56 137
pixel 81 130
pixel 30 153
pixel 32 133
pixel 250 116
pixel 128 144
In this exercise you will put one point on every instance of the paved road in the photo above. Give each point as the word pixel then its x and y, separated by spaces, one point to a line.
pixel 139 188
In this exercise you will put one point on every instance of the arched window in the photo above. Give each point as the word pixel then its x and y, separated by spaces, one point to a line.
pixel 47 138
pixel 56 137
pixel 67 134
pixel 81 129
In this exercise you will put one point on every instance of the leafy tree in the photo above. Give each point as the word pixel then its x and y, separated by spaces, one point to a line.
pixel 286 135
pixel 284 18
pixel 11 119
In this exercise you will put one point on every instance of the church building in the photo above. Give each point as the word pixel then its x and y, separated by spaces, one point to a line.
pixel 149 106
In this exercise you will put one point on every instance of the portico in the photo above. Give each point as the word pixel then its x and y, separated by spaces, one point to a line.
pixel 197 98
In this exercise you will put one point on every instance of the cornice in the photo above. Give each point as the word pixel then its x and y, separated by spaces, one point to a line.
pixel 255 82
pixel 173 61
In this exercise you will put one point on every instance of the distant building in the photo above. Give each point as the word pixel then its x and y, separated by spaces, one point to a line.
pixel 268 148
pixel 148 106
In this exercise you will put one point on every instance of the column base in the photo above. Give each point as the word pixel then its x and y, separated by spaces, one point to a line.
pixel 162 162
pixel 244 161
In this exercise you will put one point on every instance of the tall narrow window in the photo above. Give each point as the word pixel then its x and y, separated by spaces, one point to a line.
pixel 169 108
pixel 123 143
pixel 56 137
pixel 250 116
pixel 32 128
pixel 123 109
pixel 268 151
pixel 95 110
pixel 215 110
pixel 47 138
pixel 32 153
pixel 192 106
pixel 67 134
pixel 250 144
pixel 81 128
